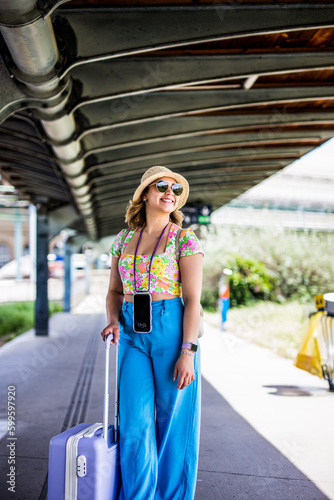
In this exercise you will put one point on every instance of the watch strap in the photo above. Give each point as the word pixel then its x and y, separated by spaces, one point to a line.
pixel 190 346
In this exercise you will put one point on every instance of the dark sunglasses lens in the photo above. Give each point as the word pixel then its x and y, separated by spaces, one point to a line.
pixel 177 189
pixel 162 186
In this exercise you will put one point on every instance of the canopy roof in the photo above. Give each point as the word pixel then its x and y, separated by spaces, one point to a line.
pixel 94 92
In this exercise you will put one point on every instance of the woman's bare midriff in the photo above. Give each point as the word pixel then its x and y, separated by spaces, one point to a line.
pixel 155 296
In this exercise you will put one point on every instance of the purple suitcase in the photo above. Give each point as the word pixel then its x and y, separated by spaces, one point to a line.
pixel 84 460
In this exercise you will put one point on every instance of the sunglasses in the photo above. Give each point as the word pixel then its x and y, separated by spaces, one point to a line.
pixel 162 187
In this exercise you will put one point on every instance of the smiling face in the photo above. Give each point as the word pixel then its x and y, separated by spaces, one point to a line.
pixel 165 202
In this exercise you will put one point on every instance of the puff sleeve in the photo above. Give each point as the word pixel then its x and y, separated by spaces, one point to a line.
pixel 190 244
pixel 117 244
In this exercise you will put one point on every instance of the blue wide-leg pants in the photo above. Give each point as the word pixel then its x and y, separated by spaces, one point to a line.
pixel 159 425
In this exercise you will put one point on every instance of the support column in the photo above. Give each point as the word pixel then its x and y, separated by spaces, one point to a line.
pixel 32 241
pixel 42 273
pixel 67 276
pixel 18 242
pixel 88 251
pixel 87 271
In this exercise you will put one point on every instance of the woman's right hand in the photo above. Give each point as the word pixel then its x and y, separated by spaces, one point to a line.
pixel 111 328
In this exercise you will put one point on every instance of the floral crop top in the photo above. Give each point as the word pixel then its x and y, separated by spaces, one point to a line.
pixel 165 272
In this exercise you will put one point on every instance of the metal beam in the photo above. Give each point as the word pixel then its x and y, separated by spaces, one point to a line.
pixel 12 163
pixel 202 174
pixel 137 76
pixel 34 52
pixel 172 104
pixel 181 142
pixel 196 161
pixel 112 56
pixel 153 152
pixel 14 98
pixel 288 153
pixel 194 158
pixel 229 172
pixel 138 30
pixel 103 136
pixel 200 161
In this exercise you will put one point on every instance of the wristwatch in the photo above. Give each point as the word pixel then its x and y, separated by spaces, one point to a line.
pixel 190 346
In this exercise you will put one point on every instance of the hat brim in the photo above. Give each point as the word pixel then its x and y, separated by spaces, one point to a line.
pixel 159 175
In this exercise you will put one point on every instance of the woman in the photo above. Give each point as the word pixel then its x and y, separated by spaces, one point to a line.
pixel 159 372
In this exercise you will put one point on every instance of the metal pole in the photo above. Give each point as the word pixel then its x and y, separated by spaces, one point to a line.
pixel 88 253
pixel 42 273
pixel 18 242
pixel 32 241
pixel 67 276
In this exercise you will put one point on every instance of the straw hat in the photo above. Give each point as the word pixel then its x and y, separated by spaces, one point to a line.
pixel 155 173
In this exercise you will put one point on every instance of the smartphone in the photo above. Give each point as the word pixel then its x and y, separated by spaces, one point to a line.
pixel 142 312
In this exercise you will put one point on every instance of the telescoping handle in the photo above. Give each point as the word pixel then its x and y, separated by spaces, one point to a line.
pixel 106 392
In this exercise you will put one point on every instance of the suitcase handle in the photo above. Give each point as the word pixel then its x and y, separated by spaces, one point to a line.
pixel 106 392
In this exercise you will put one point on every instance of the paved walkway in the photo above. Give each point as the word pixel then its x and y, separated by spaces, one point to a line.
pixel 275 422
pixel 266 426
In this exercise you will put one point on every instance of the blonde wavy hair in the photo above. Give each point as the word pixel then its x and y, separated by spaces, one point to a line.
pixel 135 215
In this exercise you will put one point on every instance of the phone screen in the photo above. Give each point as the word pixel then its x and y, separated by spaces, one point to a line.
pixel 142 317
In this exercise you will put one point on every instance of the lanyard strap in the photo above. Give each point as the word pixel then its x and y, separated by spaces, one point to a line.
pixel 149 270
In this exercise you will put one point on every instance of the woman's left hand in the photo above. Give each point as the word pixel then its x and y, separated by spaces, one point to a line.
pixel 184 369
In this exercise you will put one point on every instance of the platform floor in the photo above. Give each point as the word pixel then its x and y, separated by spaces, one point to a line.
pixel 267 429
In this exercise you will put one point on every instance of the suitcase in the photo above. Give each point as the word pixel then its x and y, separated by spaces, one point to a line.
pixel 84 461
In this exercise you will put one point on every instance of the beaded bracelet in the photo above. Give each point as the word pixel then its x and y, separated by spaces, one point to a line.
pixel 188 353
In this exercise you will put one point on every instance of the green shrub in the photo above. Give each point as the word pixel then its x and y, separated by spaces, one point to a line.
pixel 299 264
pixel 250 281
pixel 18 317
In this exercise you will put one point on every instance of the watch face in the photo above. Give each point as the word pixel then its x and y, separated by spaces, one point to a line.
pixel 193 347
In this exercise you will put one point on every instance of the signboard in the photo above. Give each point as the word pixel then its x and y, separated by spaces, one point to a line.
pixel 196 214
